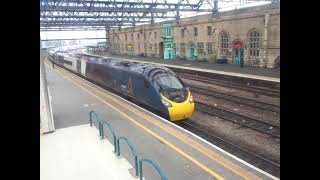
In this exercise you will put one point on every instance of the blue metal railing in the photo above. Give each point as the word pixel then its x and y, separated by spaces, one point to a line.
pixel 113 135
pixel 101 129
pixel 98 121
pixel 116 143
pixel 154 164
pixel 133 151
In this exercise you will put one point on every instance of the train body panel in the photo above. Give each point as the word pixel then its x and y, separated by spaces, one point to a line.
pixel 83 67
pixel 70 63
pixel 78 66
pixel 60 59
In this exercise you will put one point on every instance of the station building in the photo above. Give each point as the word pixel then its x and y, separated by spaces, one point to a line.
pixel 249 35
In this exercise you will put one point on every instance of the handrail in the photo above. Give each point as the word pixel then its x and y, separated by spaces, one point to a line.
pixel 100 126
pixel 101 129
pixel 116 143
pixel 113 134
pixel 155 165
pixel 133 151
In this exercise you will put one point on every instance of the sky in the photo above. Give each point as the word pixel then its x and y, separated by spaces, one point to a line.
pixel 224 6
pixel 72 34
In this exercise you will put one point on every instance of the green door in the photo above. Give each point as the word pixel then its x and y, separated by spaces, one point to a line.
pixel 238 54
pixel 192 54
pixel 241 52
pixel 169 54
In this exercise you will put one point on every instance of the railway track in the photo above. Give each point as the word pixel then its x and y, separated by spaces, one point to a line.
pixel 258 160
pixel 236 99
pixel 269 128
pixel 229 84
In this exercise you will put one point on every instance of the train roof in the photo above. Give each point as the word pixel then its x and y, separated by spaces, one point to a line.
pixel 145 69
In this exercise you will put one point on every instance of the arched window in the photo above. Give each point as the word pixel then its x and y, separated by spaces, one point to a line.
pixel 224 44
pixel 254 44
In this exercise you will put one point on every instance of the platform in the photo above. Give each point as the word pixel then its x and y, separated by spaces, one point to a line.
pixel 267 74
pixel 77 153
pixel 180 154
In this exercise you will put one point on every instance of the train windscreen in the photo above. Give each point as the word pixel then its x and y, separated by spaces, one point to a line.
pixel 172 88
pixel 169 82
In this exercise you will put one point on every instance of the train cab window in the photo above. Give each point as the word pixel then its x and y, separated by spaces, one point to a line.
pixel 169 82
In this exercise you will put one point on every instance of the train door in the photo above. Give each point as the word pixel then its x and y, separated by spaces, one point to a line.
pixel 138 88
pixel 122 80
pixel 83 67
pixel 60 60
pixel 78 66
pixel 144 91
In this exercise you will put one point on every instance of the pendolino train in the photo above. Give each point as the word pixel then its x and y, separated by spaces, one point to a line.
pixel 155 87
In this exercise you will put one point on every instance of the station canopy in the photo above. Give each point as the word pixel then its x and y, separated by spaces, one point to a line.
pixel 57 15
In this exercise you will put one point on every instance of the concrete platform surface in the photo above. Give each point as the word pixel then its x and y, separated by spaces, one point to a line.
pixel 77 153
pixel 180 154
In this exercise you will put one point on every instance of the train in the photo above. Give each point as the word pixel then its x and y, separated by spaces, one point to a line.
pixel 154 87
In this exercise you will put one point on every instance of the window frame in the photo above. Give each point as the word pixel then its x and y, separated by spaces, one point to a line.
pixel 224 40
pixel 200 48
pixel 254 42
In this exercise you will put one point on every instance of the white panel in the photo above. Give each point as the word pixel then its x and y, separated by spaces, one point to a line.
pixel 83 67
pixel 77 153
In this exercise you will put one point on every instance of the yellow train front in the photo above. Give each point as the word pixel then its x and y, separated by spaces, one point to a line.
pixel 179 110
pixel 176 99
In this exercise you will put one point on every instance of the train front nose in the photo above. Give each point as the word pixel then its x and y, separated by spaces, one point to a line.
pixel 180 111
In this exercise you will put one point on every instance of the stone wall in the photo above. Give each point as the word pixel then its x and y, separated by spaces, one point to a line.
pixel 265 20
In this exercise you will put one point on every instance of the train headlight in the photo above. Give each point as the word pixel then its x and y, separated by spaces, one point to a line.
pixel 191 99
pixel 166 103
